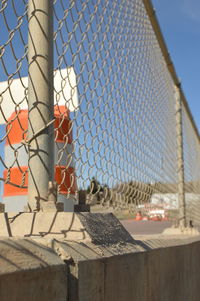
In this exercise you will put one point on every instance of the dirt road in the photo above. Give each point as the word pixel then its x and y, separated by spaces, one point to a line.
pixel 145 227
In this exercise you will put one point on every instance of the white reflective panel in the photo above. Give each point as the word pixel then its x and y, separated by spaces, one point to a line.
pixel 14 93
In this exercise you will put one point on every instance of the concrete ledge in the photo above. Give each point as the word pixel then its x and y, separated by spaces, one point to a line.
pixel 97 227
pixel 91 257
pixel 46 265
pixel 42 224
pixel 152 272
pixel 30 271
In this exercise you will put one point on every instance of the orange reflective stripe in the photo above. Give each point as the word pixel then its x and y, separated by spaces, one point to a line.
pixel 19 124
pixel 61 110
pixel 16 178
pixel 63 128
pixel 69 184
pixel 17 127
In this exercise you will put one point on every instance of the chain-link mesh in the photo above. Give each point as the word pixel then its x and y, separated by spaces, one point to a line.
pixel 114 116
pixel 13 90
pixel 124 125
pixel 192 170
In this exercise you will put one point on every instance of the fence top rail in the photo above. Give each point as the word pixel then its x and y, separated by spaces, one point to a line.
pixel 155 24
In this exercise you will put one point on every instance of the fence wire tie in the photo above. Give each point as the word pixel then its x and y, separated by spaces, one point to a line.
pixel 27 142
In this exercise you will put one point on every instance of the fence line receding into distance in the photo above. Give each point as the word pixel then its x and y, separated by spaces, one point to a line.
pixel 120 133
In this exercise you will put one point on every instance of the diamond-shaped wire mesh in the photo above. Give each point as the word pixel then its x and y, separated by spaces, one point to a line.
pixel 115 115
pixel 192 170
pixel 13 66
pixel 124 125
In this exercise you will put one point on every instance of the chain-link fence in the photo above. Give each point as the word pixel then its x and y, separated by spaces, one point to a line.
pixel 116 135
pixel 192 170
pixel 13 91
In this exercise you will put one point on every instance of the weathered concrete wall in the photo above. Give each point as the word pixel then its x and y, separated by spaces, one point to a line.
pixel 31 272
pixel 171 274
pixel 164 274
pixel 91 257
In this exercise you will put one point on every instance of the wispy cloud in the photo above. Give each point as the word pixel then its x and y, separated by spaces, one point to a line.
pixel 191 9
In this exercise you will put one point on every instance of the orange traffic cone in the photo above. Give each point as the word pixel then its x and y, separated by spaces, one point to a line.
pixel 138 216
pixel 165 218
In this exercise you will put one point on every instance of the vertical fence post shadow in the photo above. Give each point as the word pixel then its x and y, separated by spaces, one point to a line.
pixel 180 159
pixel 40 99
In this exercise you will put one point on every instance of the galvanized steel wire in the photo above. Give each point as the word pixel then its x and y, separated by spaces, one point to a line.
pixel 122 122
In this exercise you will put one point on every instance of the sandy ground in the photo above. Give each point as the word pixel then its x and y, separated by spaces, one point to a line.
pixel 145 227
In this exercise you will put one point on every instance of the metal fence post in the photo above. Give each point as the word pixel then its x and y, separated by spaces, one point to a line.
pixel 40 98
pixel 180 157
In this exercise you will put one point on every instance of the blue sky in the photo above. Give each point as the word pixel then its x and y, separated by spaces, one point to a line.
pixel 180 24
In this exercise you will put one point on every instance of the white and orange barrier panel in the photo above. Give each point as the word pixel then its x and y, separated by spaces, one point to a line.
pixel 16 156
